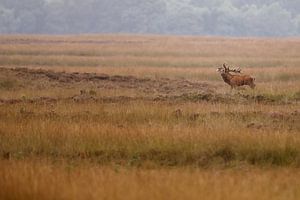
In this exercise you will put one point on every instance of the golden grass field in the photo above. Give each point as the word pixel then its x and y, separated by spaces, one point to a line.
pixel 148 117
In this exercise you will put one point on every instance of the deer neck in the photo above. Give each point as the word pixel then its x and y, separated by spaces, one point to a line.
pixel 226 77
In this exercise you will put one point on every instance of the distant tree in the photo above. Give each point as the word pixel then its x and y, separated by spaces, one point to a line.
pixel 29 15
pixel 186 19
pixel 131 16
pixel 269 20
pixel 7 20
pixel 227 20
pixel 143 16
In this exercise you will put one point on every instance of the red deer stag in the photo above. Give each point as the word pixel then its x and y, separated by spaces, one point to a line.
pixel 235 80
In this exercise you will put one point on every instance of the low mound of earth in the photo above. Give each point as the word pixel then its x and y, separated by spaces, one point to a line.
pixel 151 89
pixel 147 85
pixel 41 79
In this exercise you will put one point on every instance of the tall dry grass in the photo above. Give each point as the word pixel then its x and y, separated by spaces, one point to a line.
pixel 141 132
pixel 31 180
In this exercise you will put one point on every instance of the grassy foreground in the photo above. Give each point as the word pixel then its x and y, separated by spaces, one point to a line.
pixel 35 180
pixel 147 117
pixel 137 133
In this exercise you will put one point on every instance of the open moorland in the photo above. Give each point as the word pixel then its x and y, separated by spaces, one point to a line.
pixel 148 117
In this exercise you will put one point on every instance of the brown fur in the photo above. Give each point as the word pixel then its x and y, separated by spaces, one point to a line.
pixel 236 80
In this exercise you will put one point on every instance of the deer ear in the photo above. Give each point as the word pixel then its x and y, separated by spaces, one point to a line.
pixel 224 65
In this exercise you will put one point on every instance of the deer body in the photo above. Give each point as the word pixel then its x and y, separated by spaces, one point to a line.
pixel 235 80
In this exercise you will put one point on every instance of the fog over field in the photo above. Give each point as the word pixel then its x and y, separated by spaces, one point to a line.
pixel 180 17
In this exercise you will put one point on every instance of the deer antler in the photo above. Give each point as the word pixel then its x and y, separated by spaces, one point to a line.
pixel 235 70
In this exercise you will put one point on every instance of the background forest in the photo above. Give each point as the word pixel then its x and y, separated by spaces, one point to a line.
pixel 180 17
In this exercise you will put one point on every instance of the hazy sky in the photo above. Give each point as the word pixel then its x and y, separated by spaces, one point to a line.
pixel 181 17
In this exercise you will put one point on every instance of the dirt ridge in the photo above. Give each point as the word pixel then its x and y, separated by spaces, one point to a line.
pixel 160 86
pixel 149 89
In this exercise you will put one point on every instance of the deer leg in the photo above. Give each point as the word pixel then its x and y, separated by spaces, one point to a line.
pixel 231 89
pixel 252 86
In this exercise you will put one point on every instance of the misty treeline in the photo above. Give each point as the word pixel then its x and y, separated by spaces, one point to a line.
pixel 190 17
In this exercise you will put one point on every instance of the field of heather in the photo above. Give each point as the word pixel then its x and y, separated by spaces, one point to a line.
pixel 148 117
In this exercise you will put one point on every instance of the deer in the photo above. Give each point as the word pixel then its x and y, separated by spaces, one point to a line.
pixel 235 80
